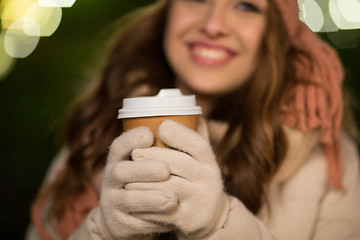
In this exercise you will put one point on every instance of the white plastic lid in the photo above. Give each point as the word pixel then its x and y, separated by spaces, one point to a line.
pixel 168 102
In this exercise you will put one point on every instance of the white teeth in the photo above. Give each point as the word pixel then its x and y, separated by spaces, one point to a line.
pixel 214 54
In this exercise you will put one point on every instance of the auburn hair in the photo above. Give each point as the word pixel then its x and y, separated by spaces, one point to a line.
pixel 136 59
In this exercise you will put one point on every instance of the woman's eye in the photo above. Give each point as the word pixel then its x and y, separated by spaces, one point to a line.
pixel 246 6
pixel 199 1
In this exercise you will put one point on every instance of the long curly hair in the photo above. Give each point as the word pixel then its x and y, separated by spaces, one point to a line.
pixel 136 59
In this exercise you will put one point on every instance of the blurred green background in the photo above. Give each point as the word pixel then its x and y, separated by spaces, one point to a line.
pixel 36 94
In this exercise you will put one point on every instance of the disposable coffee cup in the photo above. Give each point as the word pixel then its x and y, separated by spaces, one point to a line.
pixel 168 104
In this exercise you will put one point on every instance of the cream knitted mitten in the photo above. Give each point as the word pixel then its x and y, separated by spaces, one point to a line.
pixel 113 218
pixel 200 204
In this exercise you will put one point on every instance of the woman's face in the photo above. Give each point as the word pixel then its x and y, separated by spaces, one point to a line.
pixel 212 45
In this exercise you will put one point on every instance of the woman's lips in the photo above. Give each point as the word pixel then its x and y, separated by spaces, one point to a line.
pixel 209 54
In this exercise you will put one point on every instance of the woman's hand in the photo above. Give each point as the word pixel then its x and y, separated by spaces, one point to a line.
pixel 117 204
pixel 201 206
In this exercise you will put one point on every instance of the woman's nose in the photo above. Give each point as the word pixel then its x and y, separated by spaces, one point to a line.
pixel 214 22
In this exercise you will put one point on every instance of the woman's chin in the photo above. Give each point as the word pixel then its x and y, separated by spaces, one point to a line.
pixel 210 90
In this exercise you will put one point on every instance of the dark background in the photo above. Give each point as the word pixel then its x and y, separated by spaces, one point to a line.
pixel 35 96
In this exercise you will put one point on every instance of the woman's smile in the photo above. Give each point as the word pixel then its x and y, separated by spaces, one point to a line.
pixel 209 54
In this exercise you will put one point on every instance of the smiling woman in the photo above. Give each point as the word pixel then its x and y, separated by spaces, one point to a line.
pixel 269 158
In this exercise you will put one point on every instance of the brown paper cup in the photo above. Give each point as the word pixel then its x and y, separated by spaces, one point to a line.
pixel 168 104
pixel 189 121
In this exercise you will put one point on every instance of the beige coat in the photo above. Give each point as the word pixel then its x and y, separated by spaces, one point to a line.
pixel 302 206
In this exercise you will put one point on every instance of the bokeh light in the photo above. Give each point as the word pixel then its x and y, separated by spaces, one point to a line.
pixel 342 11
pixel 56 3
pixel 330 15
pixel 14 10
pixel 17 43
pixel 335 13
pixel 334 17
pixel 48 18
pixel 23 22
pixel 350 9
pixel 312 15
pixel 6 62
